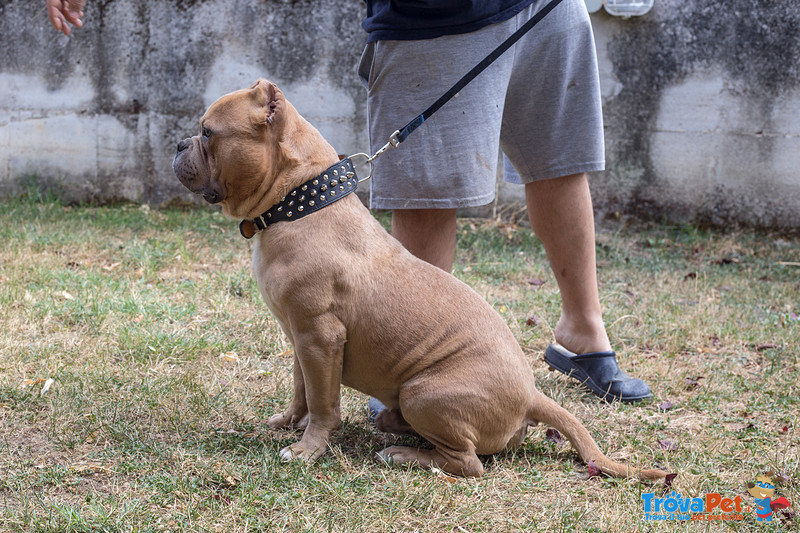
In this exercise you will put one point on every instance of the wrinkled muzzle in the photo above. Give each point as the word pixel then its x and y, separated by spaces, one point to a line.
pixel 191 170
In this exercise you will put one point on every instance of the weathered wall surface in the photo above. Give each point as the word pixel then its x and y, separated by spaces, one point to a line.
pixel 701 98
pixel 99 114
pixel 702 111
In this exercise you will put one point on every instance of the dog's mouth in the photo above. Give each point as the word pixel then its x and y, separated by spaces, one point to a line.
pixel 192 177
pixel 212 197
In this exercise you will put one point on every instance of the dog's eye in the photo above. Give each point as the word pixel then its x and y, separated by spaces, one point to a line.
pixel 206 132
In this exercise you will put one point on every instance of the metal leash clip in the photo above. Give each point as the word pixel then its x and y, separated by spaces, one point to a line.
pixel 393 143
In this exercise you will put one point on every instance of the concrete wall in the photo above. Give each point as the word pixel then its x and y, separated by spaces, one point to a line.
pixel 702 110
pixel 701 98
pixel 98 115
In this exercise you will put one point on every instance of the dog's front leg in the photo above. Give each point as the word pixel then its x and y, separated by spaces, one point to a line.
pixel 319 351
pixel 297 413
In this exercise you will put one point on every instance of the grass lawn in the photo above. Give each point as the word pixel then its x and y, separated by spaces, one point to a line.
pixel 166 364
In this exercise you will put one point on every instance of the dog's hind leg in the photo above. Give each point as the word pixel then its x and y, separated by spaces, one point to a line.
pixel 457 463
pixel 436 420
pixel 392 421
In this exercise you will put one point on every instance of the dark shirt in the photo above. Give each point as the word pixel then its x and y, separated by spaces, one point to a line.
pixel 407 20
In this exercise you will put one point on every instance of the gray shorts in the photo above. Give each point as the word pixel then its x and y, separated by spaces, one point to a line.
pixel 539 103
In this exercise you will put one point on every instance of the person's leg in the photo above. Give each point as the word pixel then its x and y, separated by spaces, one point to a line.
pixel 561 215
pixel 553 134
pixel 429 234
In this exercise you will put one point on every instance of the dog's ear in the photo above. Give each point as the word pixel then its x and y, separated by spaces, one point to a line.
pixel 269 98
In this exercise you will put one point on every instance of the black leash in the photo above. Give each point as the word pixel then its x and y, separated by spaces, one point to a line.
pixel 406 130
pixel 402 134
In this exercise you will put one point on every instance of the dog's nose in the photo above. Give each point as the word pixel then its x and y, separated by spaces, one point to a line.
pixel 183 145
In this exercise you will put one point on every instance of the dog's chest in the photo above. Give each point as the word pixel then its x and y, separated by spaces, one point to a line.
pixel 260 266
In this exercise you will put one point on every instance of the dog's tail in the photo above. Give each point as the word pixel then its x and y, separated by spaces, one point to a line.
pixel 548 412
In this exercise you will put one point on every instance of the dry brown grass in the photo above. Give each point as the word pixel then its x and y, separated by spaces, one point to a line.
pixel 166 366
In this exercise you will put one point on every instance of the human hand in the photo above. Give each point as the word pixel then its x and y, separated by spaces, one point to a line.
pixel 62 13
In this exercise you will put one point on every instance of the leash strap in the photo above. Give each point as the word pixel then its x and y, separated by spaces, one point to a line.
pixel 401 135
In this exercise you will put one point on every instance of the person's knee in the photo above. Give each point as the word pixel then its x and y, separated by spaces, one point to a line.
pixel 433 218
pixel 429 234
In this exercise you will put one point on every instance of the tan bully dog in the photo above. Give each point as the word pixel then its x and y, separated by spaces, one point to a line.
pixel 358 308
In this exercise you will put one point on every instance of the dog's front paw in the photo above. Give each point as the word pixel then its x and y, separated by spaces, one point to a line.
pixel 301 452
pixel 282 420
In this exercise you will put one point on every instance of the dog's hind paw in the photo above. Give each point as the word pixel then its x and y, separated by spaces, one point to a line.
pixel 385 458
pixel 398 455
pixel 459 464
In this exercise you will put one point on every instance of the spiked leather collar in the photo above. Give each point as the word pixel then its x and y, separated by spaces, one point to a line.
pixel 336 182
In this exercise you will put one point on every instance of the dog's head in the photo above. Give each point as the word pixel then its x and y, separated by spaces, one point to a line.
pixel 236 157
